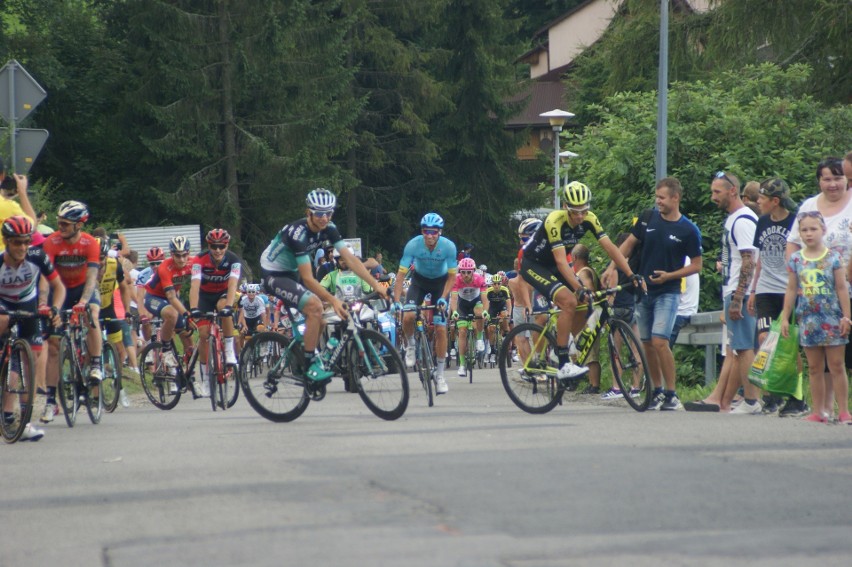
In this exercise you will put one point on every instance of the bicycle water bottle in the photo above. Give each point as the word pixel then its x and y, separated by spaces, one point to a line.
pixel 588 333
pixel 330 345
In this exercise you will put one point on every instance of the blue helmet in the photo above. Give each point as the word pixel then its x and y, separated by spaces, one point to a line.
pixel 431 220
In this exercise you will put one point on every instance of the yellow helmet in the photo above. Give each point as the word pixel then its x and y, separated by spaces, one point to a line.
pixel 577 194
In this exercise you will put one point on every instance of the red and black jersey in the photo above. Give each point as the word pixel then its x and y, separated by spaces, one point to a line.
pixel 214 278
pixel 168 276
pixel 72 261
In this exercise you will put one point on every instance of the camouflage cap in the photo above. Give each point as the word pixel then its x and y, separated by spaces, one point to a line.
pixel 777 187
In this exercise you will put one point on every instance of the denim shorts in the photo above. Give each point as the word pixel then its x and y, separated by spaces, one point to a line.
pixel 657 315
pixel 741 333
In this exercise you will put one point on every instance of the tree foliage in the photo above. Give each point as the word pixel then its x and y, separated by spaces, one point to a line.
pixel 756 122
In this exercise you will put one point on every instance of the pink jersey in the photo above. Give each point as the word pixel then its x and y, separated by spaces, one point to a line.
pixel 469 291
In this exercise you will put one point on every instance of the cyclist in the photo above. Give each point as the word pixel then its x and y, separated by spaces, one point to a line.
pixel 76 256
pixel 213 287
pixel 434 261
pixel 522 292
pixel 468 297
pixel 498 296
pixel 111 276
pixel 286 270
pixel 545 264
pixel 162 298
pixel 254 311
pixel 155 257
pixel 21 269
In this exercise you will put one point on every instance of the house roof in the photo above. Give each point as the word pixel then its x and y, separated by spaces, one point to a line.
pixel 540 96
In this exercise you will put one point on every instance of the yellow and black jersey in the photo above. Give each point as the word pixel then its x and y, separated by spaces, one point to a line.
pixel 557 232
pixel 497 294
pixel 111 273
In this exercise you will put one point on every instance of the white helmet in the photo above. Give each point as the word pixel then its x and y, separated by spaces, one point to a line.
pixel 528 227
pixel 483 268
pixel 321 200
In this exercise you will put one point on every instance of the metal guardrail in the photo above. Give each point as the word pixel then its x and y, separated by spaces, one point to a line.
pixel 704 329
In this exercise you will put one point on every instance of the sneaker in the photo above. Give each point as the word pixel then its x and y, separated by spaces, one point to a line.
pixel 770 406
pixel 462 371
pixel 409 357
pixel 736 402
pixel 441 385
pixel 205 389
pixel 657 402
pixel 452 351
pixel 747 409
pixel 844 419
pixel 515 357
pixel 493 358
pixel 31 433
pixel 230 357
pixel 592 389
pixel 794 408
pixel 612 394
pixel 48 413
pixel 480 345
pixel 671 404
pixel 123 399
pixel 96 374
pixel 571 371
pixel 316 372
pixel 635 392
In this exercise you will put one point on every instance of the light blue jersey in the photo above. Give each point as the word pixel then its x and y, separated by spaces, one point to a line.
pixel 429 264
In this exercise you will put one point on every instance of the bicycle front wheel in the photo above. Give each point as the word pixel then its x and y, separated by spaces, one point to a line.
pixel 271 375
pixel 159 384
pixel 424 367
pixel 629 365
pixel 381 377
pixel 69 392
pixel 111 384
pixel 214 373
pixel 532 385
pixel 18 393
pixel 94 400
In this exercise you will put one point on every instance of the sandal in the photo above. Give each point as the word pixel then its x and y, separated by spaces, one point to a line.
pixel 701 405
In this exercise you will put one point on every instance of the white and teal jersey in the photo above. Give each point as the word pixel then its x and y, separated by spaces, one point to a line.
pixel 430 264
pixel 294 244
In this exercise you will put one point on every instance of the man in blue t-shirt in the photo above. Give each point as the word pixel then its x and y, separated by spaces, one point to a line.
pixel 668 238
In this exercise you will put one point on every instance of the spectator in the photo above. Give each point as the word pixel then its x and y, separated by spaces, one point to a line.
pixel 688 304
pixel 750 194
pixel 668 238
pixel 466 252
pixel 42 227
pixel 738 261
pixel 766 298
pixel 379 270
pixel 9 187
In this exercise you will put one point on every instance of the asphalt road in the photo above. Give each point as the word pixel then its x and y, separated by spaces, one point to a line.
pixel 473 481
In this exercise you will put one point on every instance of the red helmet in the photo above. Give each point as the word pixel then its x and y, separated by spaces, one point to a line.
pixel 218 236
pixel 155 254
pixel 17 226
pixel 467 264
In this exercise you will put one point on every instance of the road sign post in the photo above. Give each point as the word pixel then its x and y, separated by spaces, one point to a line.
pixel 19 95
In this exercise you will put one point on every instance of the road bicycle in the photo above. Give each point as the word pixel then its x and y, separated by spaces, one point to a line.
pixel 423 357
pixel 272 371
pixel 497 323
pixel 75 386
pixel 472 356
pixel 533 386
pixel 222 377
pixel 111 383
pixel 17 375
pixel 164 383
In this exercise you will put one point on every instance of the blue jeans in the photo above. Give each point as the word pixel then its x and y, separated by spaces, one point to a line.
pixel 681 321
pixel 657 315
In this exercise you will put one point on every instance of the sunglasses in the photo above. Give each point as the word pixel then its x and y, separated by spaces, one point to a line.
pixel 723 175
pixel 525 238
pixel 65 223
pixel 180 254
pixel 322 214
pixel 466 272
pixel 18 241
pixel 431 231
pixel 218 246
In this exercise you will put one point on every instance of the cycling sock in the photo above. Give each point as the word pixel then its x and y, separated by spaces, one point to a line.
pixel 96 362
pixel 440 367
pixel 8 417
pixel 657 391
pixel 202 368
pixel 51 394
pixel 461 359
pixel 412 342
pixel 564 357
pixel 167 346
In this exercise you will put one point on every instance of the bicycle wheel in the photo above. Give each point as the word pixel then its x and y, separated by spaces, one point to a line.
pixel 532 386
pixel 159 384
pixel 111 384
pixel 381 377
pixel 18 393
pixel 214 372
pixel 471 351
pixel 629 366
pixel 230 390
pixel 276 389
pixel 424 367
pixel 94 400
pixel 69 391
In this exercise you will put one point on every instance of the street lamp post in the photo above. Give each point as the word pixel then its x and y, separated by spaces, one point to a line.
pixel 557 119
pixel 566 155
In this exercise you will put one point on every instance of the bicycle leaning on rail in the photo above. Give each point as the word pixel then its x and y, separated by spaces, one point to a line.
pixel 17 374
pixel 272 372
pixel 533 386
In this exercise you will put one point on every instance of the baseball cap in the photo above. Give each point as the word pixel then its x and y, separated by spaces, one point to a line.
pixel 776 187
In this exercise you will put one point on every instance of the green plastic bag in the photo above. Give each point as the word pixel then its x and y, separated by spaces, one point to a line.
pixel 775 365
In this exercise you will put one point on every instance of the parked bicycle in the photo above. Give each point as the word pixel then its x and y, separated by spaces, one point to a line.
pixel 533 385
pixel 75 386
pixel 272 372
pixel 17 375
